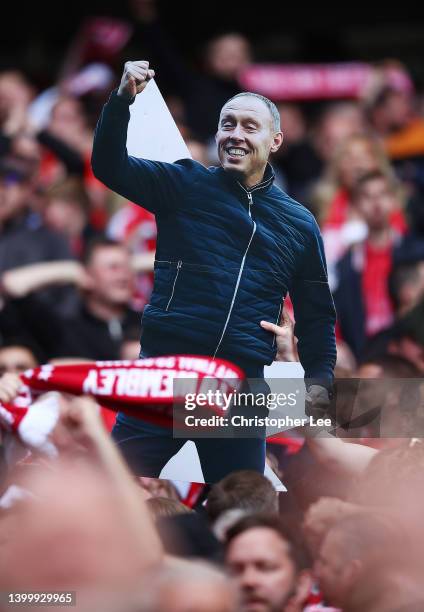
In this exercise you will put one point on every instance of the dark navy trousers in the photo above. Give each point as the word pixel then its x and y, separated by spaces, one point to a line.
pixel 148 447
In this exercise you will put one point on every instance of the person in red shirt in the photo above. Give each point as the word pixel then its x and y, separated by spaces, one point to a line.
pixel 341 223
pixel 361 296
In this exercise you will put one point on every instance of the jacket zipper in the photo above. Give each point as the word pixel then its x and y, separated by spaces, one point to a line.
pixel 179 264
pixel 277 322
pixel 250 197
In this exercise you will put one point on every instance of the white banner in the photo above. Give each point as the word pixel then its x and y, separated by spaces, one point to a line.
pixel 152 132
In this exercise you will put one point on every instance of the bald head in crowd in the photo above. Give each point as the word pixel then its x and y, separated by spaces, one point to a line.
pixel 364 564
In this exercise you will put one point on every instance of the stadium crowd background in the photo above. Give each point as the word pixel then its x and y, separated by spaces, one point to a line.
pixel 76 266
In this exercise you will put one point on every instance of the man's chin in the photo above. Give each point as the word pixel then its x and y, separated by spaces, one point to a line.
pixel 234 170
pixel 255 606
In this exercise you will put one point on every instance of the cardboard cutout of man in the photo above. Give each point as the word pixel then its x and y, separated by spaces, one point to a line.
pixel 230 246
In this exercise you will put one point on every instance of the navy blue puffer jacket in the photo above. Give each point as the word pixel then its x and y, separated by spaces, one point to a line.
pixel 226 256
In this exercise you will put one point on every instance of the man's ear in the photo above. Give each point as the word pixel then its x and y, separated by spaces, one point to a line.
pixel 303 588
pixel 86 281
pixel 277 141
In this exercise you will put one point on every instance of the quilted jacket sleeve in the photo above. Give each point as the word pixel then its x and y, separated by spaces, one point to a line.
pixel 314 311
pixel 156 186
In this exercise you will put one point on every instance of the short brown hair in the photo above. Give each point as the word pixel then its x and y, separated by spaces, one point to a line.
pixel 273 522
pixel 244 489
pixel 70 190
pixel 160 507
pixel 373 175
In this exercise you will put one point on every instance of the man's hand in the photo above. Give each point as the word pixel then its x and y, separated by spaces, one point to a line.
pixel 10 385
pixel 79 428
pixel 286 345
pixel 317 402
pixel 134 79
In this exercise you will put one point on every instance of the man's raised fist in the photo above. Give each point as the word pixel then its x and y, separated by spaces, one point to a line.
pixel 135 77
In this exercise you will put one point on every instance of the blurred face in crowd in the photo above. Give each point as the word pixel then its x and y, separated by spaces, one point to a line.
pixel 245 138
pixel 336 575
pixel 27 149
pixel 357 157
pixel 14 92
pixel 228 55
pixel 260 562
pixel 409 290
pixel 16 359
pixel 337 126
pixel 67 112
pixel 393 113
pixel 409 349
pixel 373 388
pixel 375 202
pixel 65 216
pixel 293 121
pixel 111 277
pixel 68 122
pixel 14 196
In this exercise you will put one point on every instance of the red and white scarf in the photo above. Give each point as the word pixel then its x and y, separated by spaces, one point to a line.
pixel 142 388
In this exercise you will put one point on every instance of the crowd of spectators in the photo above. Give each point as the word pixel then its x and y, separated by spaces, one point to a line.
pixel 76 269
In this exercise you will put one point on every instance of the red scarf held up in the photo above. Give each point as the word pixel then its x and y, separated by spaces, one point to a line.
pixel 142 388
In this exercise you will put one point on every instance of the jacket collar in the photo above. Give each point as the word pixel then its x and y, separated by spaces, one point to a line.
pixel 264 185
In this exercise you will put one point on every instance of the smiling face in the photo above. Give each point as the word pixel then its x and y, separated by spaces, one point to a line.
pixel 246 137
pixel 264 573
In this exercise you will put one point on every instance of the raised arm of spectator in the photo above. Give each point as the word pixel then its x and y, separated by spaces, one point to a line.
pixel 157 186
pixel 143 262
pixel 19 282
pixel 344 458
pixel 71 159
pixel 80 426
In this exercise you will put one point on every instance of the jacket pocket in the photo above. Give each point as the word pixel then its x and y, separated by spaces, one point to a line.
pixel 192 289
pixel 164 274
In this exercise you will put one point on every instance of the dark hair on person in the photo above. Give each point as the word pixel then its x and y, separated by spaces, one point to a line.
pixel 70 190
pixel 245 489
pixel 23 342
pixel 275 523
pixel 401 275
pixel 164 507
pixel 99 242
pixel 273 110
pixel 411 325
pixel 373 175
